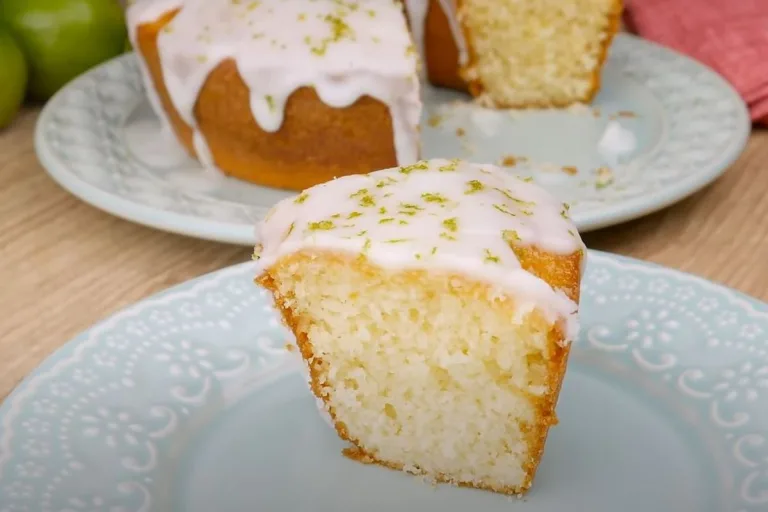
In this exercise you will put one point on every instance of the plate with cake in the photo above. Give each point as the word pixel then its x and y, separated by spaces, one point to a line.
pixel 227 107
pixel 434 337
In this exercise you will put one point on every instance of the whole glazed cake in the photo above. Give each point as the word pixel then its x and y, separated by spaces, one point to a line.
pixel 291 93
pixel 433 306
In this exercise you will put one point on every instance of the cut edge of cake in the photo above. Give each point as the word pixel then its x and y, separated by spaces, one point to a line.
pixel 534 76
pixel 546 346
pixel 368 332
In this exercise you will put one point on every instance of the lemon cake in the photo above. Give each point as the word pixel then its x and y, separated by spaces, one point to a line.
pixel 433 306
pixel 283 93
pixel 516 53
pixel 292 93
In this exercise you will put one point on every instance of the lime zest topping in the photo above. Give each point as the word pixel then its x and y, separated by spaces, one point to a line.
pixel 367 201
pixel 434 198
pixel 339 30
pixel 474 186
pixel 508 195
pixel 323 225
pixel 421 165
pixel 386 181
pixel 510 236
pixel 490 257
pixel 504 209
pixel 451 224
pixel 409 209
pixel 450 166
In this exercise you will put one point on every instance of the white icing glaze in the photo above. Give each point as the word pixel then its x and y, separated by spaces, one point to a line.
pixel 440 214
pixel 343 50
pixel 137 12
pixel 615 142
pixel 417 17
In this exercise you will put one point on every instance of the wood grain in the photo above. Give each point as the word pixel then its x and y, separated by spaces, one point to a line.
pixel 65 265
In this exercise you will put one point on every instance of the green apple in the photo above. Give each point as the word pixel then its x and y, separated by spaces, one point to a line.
pixel 63 38
pixel 13 83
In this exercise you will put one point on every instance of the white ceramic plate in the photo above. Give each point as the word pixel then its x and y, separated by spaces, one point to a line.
pixel 100 140
pixel 188 402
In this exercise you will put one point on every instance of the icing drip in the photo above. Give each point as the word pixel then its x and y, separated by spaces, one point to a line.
pixel 442 214
pixel 138 12
pixel 344 50
pixel 417 16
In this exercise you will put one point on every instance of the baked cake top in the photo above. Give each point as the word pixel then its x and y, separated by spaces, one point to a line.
pixel 344 49
pixel 443 214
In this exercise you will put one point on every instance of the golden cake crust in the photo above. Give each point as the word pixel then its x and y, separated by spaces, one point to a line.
pixel 442 54
pixel 562 272
pixel 297 156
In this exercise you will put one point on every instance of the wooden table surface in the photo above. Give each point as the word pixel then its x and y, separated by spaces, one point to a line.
pixel 65 265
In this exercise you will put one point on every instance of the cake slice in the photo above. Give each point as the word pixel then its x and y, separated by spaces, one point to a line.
pixel 433 305
pixel 516 53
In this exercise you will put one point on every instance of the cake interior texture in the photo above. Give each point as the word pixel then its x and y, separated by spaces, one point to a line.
pixel 431 372
pixel 537 53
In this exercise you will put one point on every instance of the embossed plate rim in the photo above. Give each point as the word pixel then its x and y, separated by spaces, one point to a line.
pixel 241 233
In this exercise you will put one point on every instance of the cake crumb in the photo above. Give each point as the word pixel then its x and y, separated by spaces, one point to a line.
pixel 257 252
pixel 622 114
pixel 460 132
pixel 290 347
pixel 435 121
pixel 509 161
pixel 596 112
pixel 579 109
pixel 356 454
pixel 570 170
pixel 604 177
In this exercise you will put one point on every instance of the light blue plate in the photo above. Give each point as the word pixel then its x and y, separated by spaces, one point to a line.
pixel 189 402
pixel 100 140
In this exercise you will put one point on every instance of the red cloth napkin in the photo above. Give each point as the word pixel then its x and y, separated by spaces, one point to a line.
pixel 730 36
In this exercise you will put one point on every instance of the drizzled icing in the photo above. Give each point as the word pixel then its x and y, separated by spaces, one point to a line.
pixel 343 49
pixel 440 214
